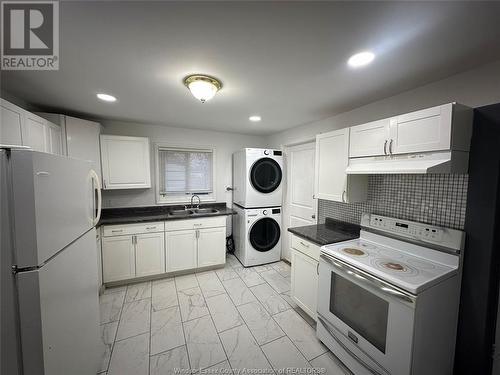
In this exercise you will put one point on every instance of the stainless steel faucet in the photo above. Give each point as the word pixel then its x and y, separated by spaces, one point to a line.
pixel 199 201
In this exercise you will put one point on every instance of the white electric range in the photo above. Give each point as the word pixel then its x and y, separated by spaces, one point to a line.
pixel 388 301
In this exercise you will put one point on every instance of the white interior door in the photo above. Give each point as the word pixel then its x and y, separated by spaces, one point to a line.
pixel 300 205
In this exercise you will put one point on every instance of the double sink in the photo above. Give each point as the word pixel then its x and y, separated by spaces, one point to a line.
pixel 193 211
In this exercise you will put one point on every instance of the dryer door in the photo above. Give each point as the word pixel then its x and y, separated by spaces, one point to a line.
pixel 265 175
pixel 264 234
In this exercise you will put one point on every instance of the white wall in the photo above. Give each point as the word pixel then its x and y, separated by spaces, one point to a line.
pixel 224 143
pixel 475 88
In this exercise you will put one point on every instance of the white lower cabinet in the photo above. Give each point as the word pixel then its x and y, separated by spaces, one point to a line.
pixel 118 258
pixel 149 254
pixel 211 246
pixel 305 280
pixel 145 249
pixel 181 249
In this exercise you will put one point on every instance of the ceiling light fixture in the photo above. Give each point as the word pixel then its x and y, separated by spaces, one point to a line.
pixel 255 118
pixel 106 97
pixel 202 87
pixel 361 59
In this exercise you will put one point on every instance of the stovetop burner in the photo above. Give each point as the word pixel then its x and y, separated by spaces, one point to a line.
pixel 395 266
pixel 353 251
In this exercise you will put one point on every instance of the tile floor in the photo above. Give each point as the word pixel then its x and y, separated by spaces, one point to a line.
pixel 216 321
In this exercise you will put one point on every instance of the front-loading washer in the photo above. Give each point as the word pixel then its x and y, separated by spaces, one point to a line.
pixel 257 177
pixel 257 235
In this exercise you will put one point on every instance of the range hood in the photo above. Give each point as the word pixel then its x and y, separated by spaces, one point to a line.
pixel 435 162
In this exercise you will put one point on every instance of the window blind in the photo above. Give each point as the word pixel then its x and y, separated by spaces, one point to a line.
pixel 185 171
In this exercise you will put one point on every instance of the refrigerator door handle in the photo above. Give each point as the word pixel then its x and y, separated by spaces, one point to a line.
pixel 97 187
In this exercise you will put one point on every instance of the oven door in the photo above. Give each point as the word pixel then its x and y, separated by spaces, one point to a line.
pixel 367 317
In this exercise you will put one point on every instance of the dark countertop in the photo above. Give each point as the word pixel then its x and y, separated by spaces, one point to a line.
pixel 330 232
pixel 156 213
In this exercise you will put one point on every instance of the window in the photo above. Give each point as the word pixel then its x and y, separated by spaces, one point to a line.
pixel 183 172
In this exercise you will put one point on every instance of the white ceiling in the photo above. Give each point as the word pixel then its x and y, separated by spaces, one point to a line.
pixel 285 61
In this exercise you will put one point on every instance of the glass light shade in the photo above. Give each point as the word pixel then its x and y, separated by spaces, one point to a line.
pixel 202 87
pixel 202 90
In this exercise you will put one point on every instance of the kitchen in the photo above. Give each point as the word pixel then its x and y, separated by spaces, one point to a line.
pixel 252 186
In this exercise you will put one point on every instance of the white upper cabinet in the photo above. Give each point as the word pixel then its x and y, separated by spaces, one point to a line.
pixel 125 162
pixel 22 128
pixel 55 139
pixel 36 133
pixel 445 127
pixel 82 141
pixel 332 182
pixel 11 124
pixel 369 139
pixel 442 128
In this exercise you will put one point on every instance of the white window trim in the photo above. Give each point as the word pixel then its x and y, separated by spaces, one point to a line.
pixel 183 199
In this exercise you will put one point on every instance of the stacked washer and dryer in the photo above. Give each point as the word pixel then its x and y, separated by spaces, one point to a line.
pixel 257 196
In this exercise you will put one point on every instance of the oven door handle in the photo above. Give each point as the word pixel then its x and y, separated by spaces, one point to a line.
pixel 369 280
pixel 343 346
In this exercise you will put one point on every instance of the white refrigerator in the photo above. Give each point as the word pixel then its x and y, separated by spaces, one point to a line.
pixel 49 207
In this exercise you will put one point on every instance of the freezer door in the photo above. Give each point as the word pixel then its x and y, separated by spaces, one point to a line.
pixel 53 204
pixel 59 312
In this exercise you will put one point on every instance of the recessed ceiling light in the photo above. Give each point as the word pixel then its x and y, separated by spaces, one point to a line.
pixel 106 97
pixel 361 59
pixel 202 87
pixel 255 118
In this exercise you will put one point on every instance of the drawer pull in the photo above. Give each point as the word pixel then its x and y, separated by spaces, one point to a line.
pixel 149 228
pixel 303 244
pixel 197 225
pixel 117 231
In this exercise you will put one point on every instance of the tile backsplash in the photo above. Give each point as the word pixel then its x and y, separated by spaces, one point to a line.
pixel 437 199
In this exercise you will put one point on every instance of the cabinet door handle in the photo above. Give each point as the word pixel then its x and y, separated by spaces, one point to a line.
pixel 390 147
pixel 197 233
pixel 104 183
pixel 317 268
pixel 385 147
pixel 343 195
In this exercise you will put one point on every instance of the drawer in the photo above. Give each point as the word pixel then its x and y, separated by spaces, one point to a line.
pixel 124 229
pixel 202 222
pixel 305 247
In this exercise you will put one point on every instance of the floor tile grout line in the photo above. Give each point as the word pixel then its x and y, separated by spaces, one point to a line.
pixel 220 340
pixel 131 337
pixel 150 325
pixel 168 350
pixel 293 343
pixel 279 325
pixel 182 325
pixel 116 332
pixel 251 333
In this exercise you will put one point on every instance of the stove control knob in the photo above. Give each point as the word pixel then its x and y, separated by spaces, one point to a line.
pixel 266 152
pixel 264 212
